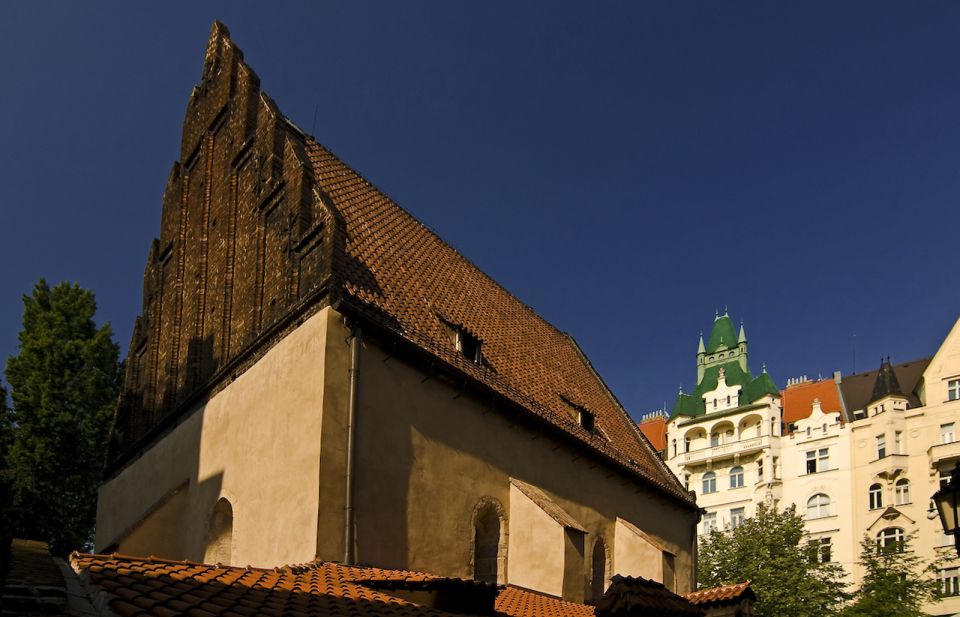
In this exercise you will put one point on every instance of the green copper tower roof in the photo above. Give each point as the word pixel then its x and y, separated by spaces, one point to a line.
pixel 723 334
pixel 734 366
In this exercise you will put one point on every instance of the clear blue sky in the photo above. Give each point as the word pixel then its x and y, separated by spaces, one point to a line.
pixel 624 168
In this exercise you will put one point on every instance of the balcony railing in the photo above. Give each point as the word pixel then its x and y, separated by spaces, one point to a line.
pixel 944 452
pixel 725 450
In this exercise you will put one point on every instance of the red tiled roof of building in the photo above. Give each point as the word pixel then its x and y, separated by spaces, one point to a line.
pixel 797 399
pixel 638 596
pixel 717 595
pixel 146 587
pixel 655 430
pixel 399 274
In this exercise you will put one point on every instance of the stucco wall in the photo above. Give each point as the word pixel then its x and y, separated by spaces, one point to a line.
pixel 634 555
pixel 255 443
pixel 536 546
pixel 427 453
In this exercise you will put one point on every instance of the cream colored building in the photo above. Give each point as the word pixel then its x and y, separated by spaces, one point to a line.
pixel 723 438
pixel 316 375
pixel 858 455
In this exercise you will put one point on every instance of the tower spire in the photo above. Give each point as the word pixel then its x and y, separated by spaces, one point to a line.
pixel 743 335
pixel 701 348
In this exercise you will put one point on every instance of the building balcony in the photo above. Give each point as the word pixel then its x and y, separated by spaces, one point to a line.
pixel 944 453
pixel 890 466
pixel 726 450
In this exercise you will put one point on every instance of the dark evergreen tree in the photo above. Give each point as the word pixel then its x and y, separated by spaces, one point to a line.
pixel 6 438
pixel 896 583
pixel 64 385
pixel 770 550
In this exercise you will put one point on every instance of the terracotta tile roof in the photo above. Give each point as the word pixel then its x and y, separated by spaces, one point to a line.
pixel 639 597
pixel 720 595
pixel 516 601
pixel 547 505
pixel 395 271
pixel 655 430
pixel 797 399
pixel 145 587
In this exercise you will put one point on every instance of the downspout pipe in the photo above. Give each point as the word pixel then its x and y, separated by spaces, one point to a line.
pixel 348 527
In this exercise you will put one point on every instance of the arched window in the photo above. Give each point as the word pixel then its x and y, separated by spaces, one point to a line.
pixel 903 491
pixel 714 437
pixel 818 506
pixel 890 539
pixel 489 543
pixel 709 482
pixel 876 496
pixel 598 570
pixel 219 548
pixel 736 477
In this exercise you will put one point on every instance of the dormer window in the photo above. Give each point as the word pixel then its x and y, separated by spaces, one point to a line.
pixel 586 420
pixel 469 346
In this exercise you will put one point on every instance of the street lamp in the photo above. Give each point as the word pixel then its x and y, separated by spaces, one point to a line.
pixel 947 499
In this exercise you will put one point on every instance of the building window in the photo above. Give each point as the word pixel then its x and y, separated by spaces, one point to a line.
pixel 898 442
pixel 736 517
pixel 818 506
pixel 736 477
pixel 714 403
pixel 821 550
pixel 818 460
pixel 948 433
pixel 881 446
pixel 949 579
pixel 890 539
pixel 586 419
pixel 709 483
pixel 903 491
pixel 489 547
pixel 776 467
pixel 876 496
pixel 728 400
pixel 686 481
pixel 953 390
pixel 219 545
pixel 944 477
pixel 709 522
pixel 759 471
pixel 598 570
pixel 686 444
pixel 714 440
pixel 674 445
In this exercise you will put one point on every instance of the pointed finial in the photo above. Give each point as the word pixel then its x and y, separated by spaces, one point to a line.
pixel 716 313
pixel 764 365
pixel 681 388
pixel 725 312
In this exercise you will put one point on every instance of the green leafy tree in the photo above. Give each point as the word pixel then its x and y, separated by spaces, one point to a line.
pixel 771 550
pixel 896 581
pixel 64 383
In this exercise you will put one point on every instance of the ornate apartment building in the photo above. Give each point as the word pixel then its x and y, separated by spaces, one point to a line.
pixel 316 375
pixel 858 455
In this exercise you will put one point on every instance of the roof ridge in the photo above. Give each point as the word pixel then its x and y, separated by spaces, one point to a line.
pixel 311 140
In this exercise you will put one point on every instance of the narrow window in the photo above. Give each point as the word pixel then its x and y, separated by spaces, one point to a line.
pixel 898 442
pixel 469 346
pixel 598 570
pixel 881 446
pixel 876 496
pixel 760 471
pixel 709 483
pixel 736 477
pixel 714 440
pixel 948 433
pixel 812 461
pixel 674 445
pixel 488 562
pixel 953 390
pixel 586 419
pixel 219 548
pixel 903 491
pixel 736 517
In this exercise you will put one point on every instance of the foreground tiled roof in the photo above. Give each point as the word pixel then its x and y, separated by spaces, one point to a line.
pixel 721 595
pixel 639 597
pixel 397 272
pixel 797 399
pixel 133 586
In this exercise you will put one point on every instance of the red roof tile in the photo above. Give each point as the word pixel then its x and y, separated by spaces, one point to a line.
pixel 640 597
pixel 718 595
pixel 145 587
pixel 797 400
pixel 655 430
pixel 401 275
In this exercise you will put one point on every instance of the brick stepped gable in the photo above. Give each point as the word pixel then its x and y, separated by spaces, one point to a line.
pixel 262 226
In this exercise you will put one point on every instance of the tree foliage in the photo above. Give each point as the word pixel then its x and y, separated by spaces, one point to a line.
pixel 771 550
pixel 896 581
pixel 64 383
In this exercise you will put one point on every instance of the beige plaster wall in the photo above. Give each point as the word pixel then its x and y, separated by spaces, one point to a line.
pixel 634 555
pixel 427 454
pixel 536 546
pixel 255 443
